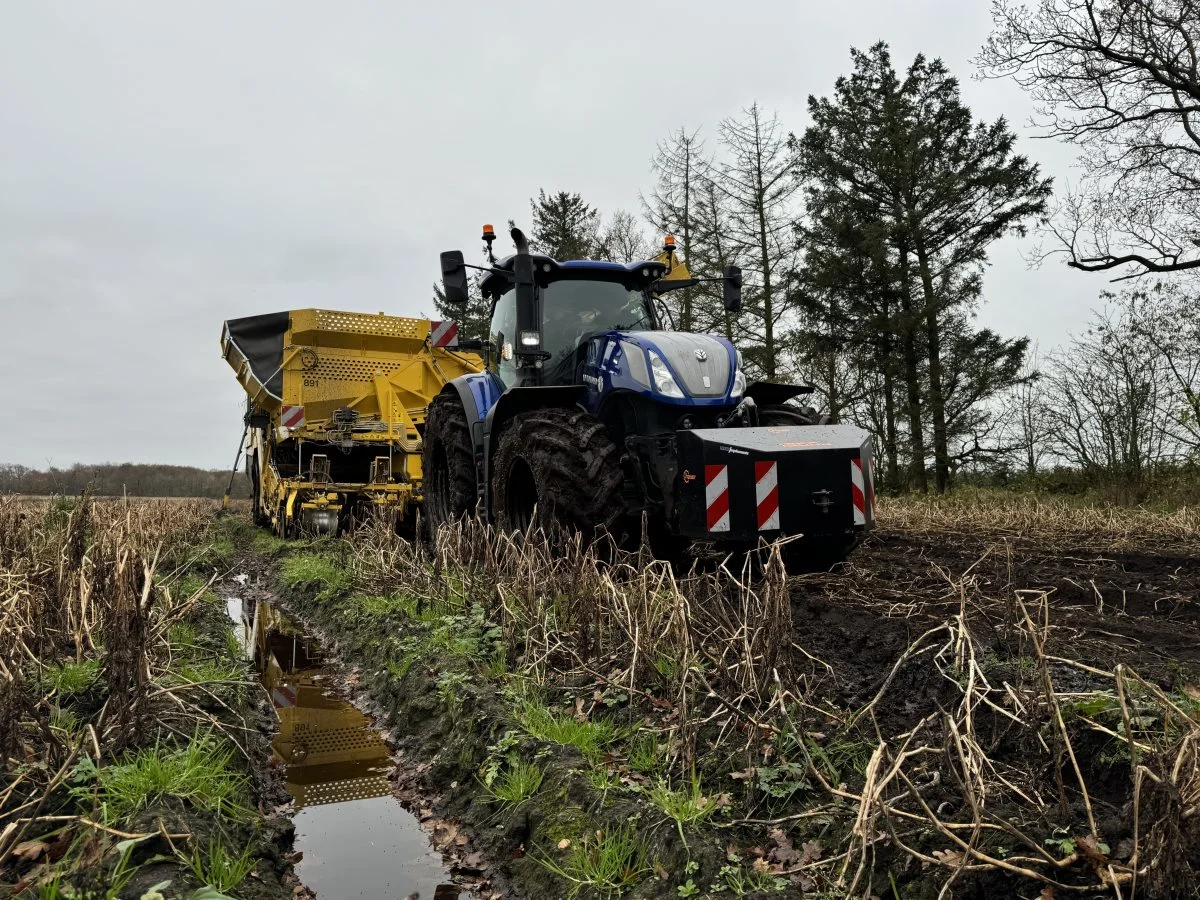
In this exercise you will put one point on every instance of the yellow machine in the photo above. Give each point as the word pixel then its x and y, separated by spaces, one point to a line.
pixel 335 411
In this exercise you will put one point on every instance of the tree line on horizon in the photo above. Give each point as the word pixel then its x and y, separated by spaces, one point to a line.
pixel 864 237
pixel 122 479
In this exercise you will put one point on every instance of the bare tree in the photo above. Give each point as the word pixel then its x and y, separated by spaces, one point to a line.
pixel 1120 79
pixel 1168 319
pixel 757 180
pixel 1022 416
pixel 682 171
pixel 622 239
pixel 1106 406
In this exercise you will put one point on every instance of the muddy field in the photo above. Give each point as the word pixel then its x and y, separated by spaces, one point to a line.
pixel 996 697
pixel 991 699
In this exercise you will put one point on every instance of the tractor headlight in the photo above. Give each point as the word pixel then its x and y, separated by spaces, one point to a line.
pixel 664 381
pixel 739 378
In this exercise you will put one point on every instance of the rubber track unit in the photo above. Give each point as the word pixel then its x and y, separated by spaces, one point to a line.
pixel 575 467
pixel 454 494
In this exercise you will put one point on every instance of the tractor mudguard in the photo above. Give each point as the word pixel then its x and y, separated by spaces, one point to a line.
pixel 769 393
pixel 478 393
pixel 740 484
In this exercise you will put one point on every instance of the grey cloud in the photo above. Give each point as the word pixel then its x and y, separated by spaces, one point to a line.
pixel 164 166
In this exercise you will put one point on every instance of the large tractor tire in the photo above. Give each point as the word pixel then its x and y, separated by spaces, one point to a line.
pixel 557 468
pixel 448 463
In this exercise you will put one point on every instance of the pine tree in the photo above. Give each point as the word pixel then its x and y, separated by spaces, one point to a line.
pixel 474 318
pixel 942 187
pixel 563 226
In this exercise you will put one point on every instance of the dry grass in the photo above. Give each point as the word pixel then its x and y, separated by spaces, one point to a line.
pixel 95 586
pixel 980 740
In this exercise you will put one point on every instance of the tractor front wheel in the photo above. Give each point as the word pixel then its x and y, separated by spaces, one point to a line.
pixel 448 463
pixel 557 468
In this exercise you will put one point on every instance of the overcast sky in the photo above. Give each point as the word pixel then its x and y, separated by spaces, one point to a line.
pixel 165 166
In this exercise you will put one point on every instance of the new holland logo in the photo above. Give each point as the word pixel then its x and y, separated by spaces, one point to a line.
pixel 701 355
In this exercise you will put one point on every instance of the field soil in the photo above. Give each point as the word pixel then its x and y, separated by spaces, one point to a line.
pixel 990 699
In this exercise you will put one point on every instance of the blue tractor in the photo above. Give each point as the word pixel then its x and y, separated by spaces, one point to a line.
pixel 591 415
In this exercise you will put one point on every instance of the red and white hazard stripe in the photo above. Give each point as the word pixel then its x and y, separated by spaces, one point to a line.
pixel 863 491
pixel 443 334
pixel 283 696
pixel 766 494
pixel 292 417
pixel 716 497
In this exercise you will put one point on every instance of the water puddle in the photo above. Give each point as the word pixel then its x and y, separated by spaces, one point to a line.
pixel 356 839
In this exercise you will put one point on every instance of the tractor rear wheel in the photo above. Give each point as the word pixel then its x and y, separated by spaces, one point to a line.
pixel 557 468
pixel 448 463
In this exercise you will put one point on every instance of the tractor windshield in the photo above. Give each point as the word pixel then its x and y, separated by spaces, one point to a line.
pixel 574 310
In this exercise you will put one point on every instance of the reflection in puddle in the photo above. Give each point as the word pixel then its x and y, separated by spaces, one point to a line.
pixel 356 840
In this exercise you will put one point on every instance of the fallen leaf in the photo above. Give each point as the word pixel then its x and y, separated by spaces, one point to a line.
pixel 950 858
pixel 461 840
pixel 30 850
pixel 661 872
pixel 810 851
pixel 1096 853
pixel 783 852
pixel 294 857
pixel 474 860
pixel 745 774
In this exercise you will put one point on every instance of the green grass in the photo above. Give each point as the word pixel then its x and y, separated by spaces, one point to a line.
pixel 218 868
pixel 71 678
pixel 314 569
pixel 266 543
pixel 609 862
pixel 188 586
pixel 686 805
pixel 200 774
pixel 516 784
pixel 643 752
pixel 740 882
pixel 185 636
pixel 589 737
pixel 64 720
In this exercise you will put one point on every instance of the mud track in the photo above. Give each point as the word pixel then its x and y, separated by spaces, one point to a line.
pixel 1140 607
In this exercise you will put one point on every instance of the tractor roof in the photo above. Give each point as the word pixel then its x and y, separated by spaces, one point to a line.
pixel 635 274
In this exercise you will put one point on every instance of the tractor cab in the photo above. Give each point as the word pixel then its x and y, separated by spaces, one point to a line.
pixel 573 302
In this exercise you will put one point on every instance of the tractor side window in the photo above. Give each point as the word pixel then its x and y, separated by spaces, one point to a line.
pixel 504 336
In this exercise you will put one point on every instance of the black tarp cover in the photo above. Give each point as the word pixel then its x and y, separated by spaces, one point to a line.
pixel 260 340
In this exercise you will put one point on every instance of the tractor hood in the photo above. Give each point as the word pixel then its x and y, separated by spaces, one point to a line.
pixel 678 367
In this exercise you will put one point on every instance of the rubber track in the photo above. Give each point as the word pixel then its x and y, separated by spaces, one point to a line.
pixel 446 424
pixel 574 463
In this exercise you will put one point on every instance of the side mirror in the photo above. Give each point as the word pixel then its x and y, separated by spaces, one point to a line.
pixel 732 293
pixel 454 277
